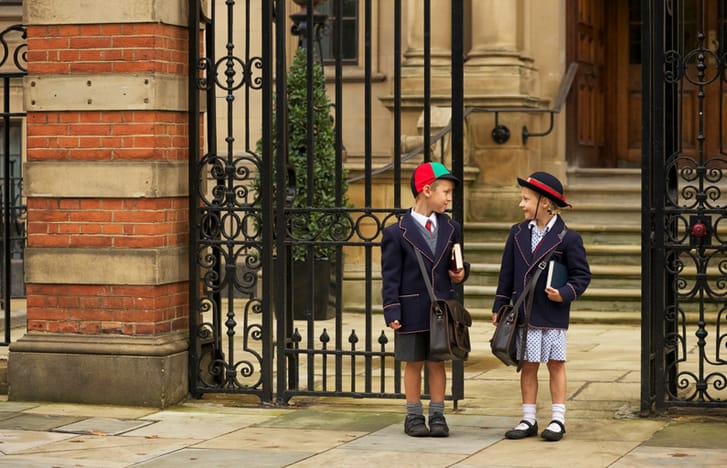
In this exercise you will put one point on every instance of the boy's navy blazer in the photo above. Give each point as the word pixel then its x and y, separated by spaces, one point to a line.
pixel 518 264
pixel 404 293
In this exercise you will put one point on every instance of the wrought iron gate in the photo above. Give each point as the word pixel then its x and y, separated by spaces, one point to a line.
pixel 14 211
pixel 684 341
pixel 246 228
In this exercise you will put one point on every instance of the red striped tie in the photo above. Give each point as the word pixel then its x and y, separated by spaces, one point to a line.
pixel 428 225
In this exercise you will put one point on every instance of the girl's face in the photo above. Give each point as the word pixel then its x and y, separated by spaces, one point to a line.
pixel 440 195
pixel 529 203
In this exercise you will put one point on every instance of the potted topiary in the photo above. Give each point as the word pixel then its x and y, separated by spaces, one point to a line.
pixel 312 225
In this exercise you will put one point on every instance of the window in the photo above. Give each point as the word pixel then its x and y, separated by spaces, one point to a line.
pixel 349 33
pixel 14 137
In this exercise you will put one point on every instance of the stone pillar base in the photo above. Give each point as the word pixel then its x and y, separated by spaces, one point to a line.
pixel 494 204
pixel 114 370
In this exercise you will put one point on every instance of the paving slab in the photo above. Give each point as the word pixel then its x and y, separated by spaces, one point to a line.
pixel 102 451
pixel 196 425
pixel 463 440
pixel 103 426
pixel 334 420
pixel 14 441
pixel 535 452
pixel 350 458
pixel 221 458
pixel 672 456
pixel 310 441
pixel 90 411
pixel 692 434
pixel 36 422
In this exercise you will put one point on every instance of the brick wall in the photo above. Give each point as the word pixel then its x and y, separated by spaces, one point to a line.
pixel 97 136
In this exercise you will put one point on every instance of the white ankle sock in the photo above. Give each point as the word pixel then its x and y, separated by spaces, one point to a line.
pixel 528 415
pixel 558 415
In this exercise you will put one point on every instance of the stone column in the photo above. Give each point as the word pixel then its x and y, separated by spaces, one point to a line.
pixel 494 31
pixel 498 74
pixel 412 73
pixel 106 185
pixel 440 34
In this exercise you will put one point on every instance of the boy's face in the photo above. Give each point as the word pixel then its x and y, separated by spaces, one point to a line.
pixel 439 194
pixel 529 202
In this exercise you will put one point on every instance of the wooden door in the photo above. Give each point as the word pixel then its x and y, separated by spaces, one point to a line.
pixel 586 45
pixel 624 33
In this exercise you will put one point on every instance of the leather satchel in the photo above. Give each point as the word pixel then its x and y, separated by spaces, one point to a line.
pixel 449 322
pixel 449 333
pixel 503 343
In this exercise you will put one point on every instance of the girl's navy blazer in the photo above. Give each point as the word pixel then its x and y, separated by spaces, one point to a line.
pixel 518 264
pixel 404 293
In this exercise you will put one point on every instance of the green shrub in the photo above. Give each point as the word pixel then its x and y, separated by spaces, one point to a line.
pixel 312 225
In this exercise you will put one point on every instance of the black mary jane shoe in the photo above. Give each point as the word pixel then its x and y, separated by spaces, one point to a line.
pixel 532 430
pixel 552 436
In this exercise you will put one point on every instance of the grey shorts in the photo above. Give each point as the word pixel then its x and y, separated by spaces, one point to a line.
pixel 412 347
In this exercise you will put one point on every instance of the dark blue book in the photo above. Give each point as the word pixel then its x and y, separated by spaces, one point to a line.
pixel 557 275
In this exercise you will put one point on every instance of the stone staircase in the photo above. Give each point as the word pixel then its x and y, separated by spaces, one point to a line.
pixel 607 213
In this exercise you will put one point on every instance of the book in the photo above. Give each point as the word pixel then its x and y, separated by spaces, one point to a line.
pixel 557 275
pixel 457 262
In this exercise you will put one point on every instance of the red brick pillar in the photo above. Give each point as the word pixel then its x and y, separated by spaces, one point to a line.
pixel 106 185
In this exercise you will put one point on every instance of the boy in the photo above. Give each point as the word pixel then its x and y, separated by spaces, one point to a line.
pixel 405 298
pixel 529 241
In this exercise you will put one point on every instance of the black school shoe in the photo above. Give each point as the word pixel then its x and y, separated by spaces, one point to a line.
pixel 414 426
pixel 552 436
pixel 532 430
pixel 438 426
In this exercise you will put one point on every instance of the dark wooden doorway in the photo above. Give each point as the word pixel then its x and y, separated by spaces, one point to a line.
pixel 604 122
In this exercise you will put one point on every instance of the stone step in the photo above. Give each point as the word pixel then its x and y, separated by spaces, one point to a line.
pixel 579 194
pixel 603 276
pixel 491 252
pixel 618 213
pixel 603 176
pixel 594 299
pixel 607 233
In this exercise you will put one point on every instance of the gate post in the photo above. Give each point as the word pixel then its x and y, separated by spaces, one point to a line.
pixel 106 180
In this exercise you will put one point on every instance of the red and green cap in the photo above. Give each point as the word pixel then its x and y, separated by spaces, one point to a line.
pixel 426 173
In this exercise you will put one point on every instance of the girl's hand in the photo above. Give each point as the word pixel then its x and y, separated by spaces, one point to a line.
pixel 456 276
pixel 553 295
pixel 395 325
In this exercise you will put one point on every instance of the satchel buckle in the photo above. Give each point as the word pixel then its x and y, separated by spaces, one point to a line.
pixel 542 265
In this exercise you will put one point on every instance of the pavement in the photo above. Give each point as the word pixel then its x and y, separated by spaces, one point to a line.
pixel 604 428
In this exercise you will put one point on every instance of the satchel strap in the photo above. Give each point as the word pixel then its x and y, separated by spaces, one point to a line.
pixel 528 291
pixel 424 275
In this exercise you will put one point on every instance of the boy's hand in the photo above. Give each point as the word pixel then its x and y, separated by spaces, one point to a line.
pixel 553 295
pixel 456 276
pixel 395 325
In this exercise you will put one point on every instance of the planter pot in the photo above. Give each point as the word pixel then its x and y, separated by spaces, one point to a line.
pixel 318 286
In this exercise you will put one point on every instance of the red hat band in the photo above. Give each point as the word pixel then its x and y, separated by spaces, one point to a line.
pixel 542 186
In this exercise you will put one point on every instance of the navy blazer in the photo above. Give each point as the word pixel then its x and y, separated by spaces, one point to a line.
pixel 404 294
pixel 518 264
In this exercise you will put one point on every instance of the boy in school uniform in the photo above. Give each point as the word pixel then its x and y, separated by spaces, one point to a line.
pixel 528 243
pixel 427 229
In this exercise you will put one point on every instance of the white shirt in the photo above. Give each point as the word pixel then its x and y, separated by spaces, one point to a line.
pixel 536 235
pixel 421 219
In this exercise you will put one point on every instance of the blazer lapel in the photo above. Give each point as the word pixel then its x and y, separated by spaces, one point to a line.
pixel 445 231
pixel 410 232
pixel 522 241
pixel 550 241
